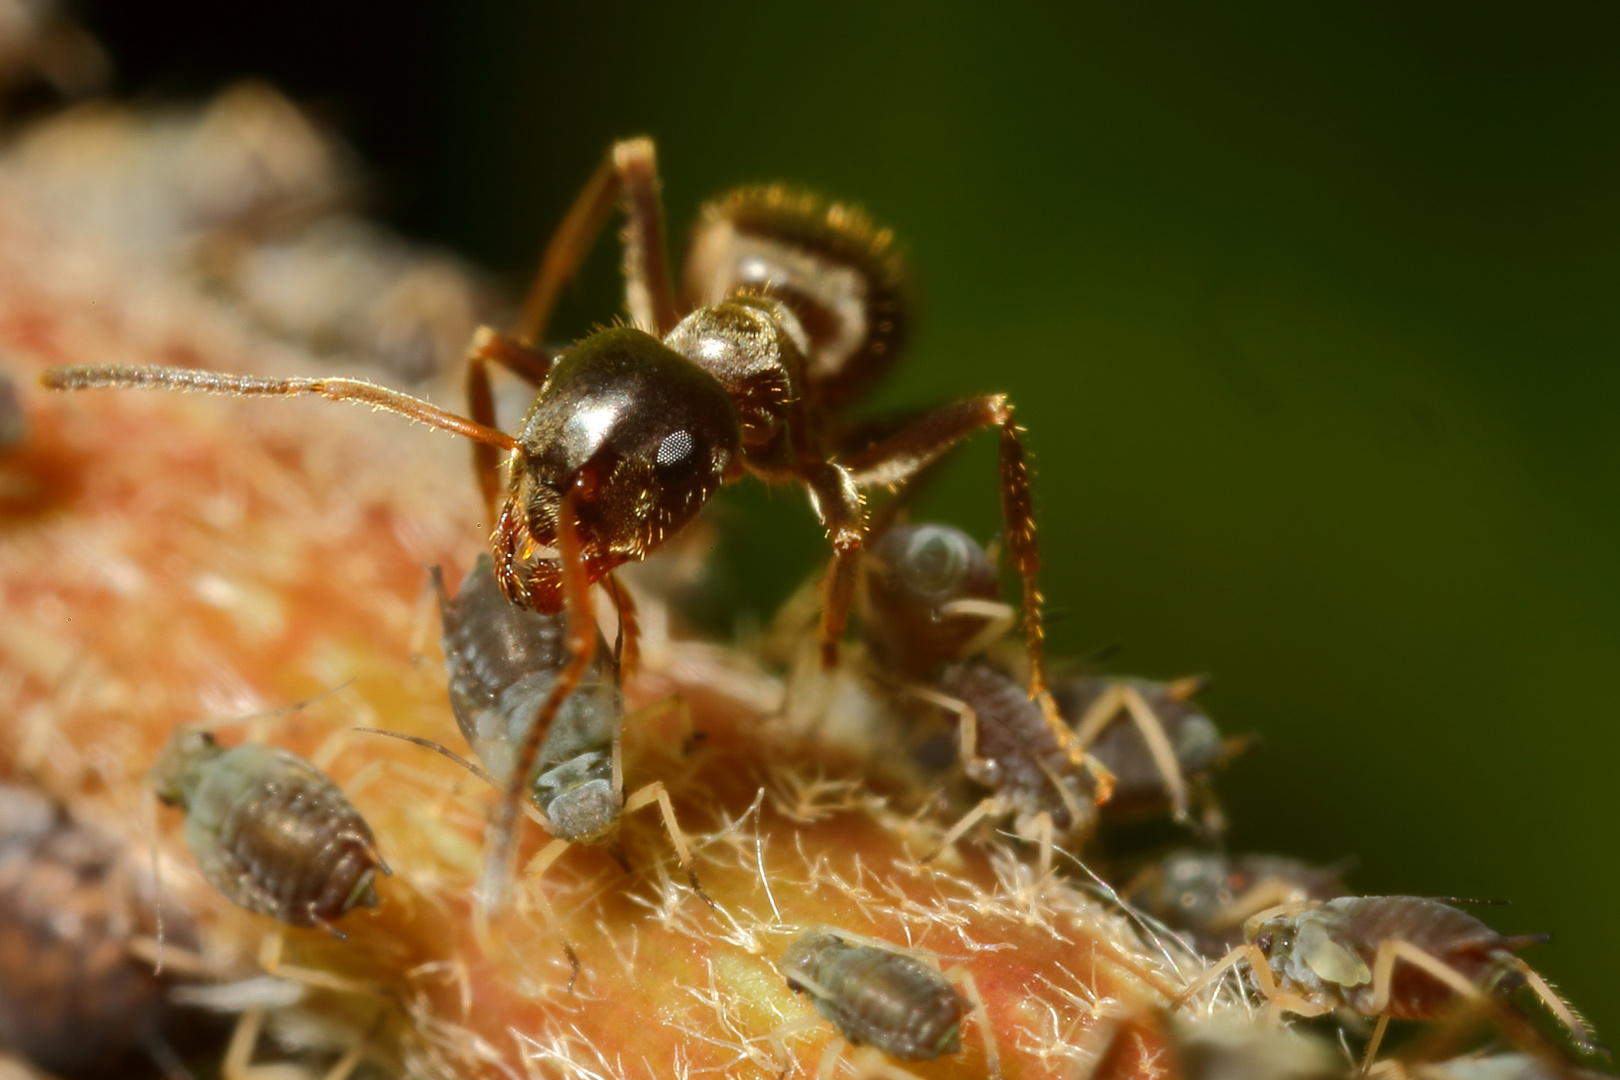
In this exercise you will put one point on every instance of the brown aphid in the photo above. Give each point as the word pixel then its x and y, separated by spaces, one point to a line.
pixel 1391 957
pixel 1160 746
pixel 635 427
pixel 74 999
pixel 931 608
pixel 877 996
pixel 269 830
pixel 1207 896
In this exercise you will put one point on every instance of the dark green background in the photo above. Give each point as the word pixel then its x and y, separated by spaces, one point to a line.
pixel 1310 311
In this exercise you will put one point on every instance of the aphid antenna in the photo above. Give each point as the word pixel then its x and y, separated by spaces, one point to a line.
pixel 438 748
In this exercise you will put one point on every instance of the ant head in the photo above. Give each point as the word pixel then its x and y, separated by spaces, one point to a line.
pixel 918 577
pixel 174 775
pixel 636 434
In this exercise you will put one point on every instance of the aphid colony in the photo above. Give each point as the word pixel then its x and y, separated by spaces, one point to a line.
pixel 790 308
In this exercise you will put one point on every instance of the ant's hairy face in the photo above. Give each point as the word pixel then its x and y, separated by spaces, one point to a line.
pixel 636 434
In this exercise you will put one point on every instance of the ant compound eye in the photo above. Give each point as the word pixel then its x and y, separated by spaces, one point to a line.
pixel 935 561
pixel 677 457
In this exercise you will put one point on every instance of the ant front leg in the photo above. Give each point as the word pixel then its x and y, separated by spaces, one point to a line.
pixel 838 503
pixel 896 459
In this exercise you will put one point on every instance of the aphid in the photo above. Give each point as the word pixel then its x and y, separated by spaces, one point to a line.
pixel 73 998
pixel 13 425
pixel 878 996
pixel 1208 895
pixel 1401 957
pixel 930 610
pixel 1482 1067
pixel 794 307
pixel 1158 744
pixel 269 830
pixel 1143 1040
pixel 503 661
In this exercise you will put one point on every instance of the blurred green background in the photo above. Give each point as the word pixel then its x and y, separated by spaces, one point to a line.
pixel 1310 311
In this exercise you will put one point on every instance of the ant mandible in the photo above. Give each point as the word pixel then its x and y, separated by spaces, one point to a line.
pixel 793 307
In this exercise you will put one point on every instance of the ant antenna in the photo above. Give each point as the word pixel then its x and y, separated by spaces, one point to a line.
pixel 157 377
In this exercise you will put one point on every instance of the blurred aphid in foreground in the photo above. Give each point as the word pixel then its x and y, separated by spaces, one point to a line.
pixel 39 43
pixel 1481 1067
pixel 1131 1038
pixel 503 661
pixel 1400 957
pixel 251 198
pixel 13 424
pixel 1208 895
pixel 269 830
pixel 74 998
pixel 895 1001
pixel 1159 745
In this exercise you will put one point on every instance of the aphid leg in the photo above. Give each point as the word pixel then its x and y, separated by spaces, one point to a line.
pixel 986 808
pixel 1159 748
pixel 1101 713
pixel 981 1018
pixel 896 459
pixel 1383 971
pixel 627 646
pixel 270 960
pixel 999 620
pixel 829 1057
pixel 1560 1008
pixel 838 503
pixel 1374 1043
pixel 499 860
pixel 780 1035
pixel 870 1064
pixel 1212 974
pixel 967 731
pixel 656 792
pixel 239 1052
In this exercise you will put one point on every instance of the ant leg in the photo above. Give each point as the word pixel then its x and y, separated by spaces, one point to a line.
pixel 901 456
pixel 628 645
pixel 838 503
pixel 1159 748
pixel 581 639
pixel 528 363
pixel 629 171
pixel 656 792
pixel 981 1019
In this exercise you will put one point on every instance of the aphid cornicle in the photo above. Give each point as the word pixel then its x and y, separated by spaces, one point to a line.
pixel 74 999
pixel 502 661
pixel 269 830
pixel 879 997
pixel 1392 957
pixel 792 306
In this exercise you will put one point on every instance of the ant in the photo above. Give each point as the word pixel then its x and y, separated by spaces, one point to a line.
pixel 791 307
pixel 895 1001
pixel 1311 958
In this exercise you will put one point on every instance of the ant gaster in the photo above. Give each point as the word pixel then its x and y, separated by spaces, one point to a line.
pixel 793 307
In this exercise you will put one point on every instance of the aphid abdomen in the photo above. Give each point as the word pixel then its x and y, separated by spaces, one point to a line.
pixel 889 1000
pixel 277 837
pixel 1451 936
pixel 1012 734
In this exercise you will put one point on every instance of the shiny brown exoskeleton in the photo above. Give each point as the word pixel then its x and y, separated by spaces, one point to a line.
pixel 269 830
pixel 792 306
pixel 875 996
pixel 931 608
pixel 1207 896
pixel 1400 957
pixel 74 999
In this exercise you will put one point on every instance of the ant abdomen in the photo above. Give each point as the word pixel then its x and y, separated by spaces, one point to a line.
pixel 841 276
pixel 503 661
pixel 269 830
pixel 878 997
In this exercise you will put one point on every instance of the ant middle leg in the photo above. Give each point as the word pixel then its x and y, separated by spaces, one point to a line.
pixel 896 459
